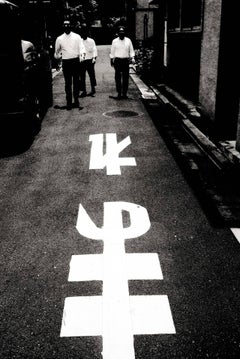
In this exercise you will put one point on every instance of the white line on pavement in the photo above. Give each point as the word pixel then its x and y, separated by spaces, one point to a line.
pixel 116 315
pixel 236 232
pixel 139 266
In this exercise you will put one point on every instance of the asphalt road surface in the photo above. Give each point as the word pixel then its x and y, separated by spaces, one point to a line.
pixel 105 251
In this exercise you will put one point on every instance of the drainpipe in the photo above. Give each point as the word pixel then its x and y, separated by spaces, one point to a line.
pixel 145 27
pixel 145 24
pixel 238 131
pixel 165 46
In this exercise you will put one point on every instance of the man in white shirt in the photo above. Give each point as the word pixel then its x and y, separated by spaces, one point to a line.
pixel 87 66
pixel 122 53
pixel 70 49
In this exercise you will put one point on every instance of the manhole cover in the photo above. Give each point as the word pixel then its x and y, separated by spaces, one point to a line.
pixel 121 113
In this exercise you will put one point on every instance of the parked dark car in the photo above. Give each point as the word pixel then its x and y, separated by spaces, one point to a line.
pixel 25 74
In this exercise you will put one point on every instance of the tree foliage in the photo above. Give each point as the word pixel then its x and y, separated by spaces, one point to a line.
pixel 82 11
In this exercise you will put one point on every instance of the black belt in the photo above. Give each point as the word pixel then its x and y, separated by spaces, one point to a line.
pixel 74 58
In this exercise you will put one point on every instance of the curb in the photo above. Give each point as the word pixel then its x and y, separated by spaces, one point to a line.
pixel 212 170
pixel 224 156
pixel 214 153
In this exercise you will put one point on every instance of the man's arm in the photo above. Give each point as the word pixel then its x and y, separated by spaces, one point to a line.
pixel 58 54
pixel 58 50
pixel 112 53
pixel 131 52
pixel 95 53
pixel 82 50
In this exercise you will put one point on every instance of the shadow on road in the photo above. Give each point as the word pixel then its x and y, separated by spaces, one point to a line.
pixel 217 191
pixel 17 137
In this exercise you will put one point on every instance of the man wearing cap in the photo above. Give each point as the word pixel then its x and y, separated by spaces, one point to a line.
pixel 70 49
pixel 122 53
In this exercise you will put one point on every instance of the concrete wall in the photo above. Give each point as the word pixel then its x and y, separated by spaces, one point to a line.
pixel 140 24
pixel 142 4
pixel 210 56
pixel 143 9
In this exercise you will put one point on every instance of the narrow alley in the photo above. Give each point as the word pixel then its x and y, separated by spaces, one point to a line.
pixel 106 251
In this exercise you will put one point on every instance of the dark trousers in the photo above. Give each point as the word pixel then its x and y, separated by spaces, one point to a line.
pixel 87 66
pixel 121 67
pixel 71 76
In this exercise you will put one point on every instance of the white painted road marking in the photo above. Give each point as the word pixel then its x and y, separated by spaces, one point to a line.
pixel 111 159
pixel 88 267
pixel 236 232
pixel 150 314
pixel 117 327
pixel 82 316
pixel 122 315
pixel 140 223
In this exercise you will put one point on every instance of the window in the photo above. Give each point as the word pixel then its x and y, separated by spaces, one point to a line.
pixel 184 15
pixel 174 14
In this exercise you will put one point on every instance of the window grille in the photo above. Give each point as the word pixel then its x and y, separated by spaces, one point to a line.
pixel 184 15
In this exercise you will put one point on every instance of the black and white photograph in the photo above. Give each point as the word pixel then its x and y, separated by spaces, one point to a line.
pixel 119 179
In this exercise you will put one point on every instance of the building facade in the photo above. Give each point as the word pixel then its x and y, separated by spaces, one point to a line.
pixel 142 19
pixel 201 58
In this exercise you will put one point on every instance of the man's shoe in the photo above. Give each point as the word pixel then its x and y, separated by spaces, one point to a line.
pixel 125 97
pixel 92 93
pixel 118 97
pixel 57 107
pixel 83 94
pixel 75 105
pixel 69 107
pixel 80 108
